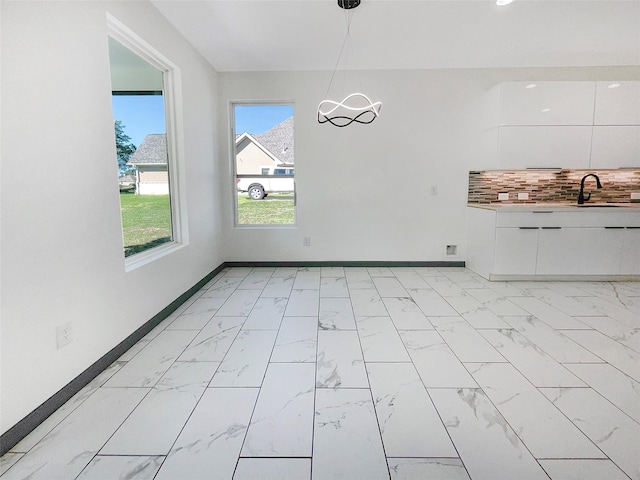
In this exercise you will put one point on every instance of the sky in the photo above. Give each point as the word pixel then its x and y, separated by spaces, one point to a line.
pixel 140 115
pixel 144 114
pixel 255 119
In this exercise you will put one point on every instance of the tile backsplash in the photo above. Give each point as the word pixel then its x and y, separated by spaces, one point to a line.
pixel 551 186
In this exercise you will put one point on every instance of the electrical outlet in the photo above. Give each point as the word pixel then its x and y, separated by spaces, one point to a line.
pixel 523 196
pixel 503 196
pixel 64 335
pixel 307 241
pixel 635 195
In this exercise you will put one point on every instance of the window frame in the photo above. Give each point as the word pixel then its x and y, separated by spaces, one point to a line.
pixel 234 175
pixel 172 93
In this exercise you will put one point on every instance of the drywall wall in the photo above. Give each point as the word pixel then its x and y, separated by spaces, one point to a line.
pixel 62 258
pixel 366 192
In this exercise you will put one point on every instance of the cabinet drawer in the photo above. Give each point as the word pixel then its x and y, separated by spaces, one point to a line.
pixel 573 218
pixel 579 251
pixel 630 263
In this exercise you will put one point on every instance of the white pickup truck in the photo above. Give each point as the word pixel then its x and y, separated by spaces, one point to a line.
pixel 273 180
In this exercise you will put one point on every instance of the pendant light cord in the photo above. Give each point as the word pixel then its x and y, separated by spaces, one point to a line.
pixel 348 17
pixel 356 107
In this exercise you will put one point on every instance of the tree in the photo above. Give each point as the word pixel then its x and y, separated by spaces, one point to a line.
pixel 124 149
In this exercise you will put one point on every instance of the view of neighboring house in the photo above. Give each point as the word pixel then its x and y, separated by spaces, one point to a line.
pixel 150 160
pixel 255 154
pixel 127 182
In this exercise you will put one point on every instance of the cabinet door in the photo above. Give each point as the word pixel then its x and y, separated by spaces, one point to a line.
pixel 615 146
pixel 547 103
pixel 543 147
pixel 617 103
pixel 515 251
pixel 630 263
pixel 481 226
pixel 579 251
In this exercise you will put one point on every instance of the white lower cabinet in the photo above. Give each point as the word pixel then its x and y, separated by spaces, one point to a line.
pixel 515 251
pixel 507 244
pixel 630 263
pixel 579 251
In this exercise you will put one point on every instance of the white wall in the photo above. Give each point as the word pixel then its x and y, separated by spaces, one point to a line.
pixel 62 257
pixel 364 192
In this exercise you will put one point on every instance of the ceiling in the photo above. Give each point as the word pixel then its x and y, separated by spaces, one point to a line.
pixel 299 35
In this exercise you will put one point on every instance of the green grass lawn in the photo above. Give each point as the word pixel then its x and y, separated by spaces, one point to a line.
pixel 146 221
pixel 276 209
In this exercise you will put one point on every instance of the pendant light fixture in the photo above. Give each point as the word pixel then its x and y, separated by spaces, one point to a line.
pixel 356 107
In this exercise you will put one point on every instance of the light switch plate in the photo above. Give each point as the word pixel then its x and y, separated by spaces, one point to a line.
pixel 503 196
pixel 635 195
pixel 523 196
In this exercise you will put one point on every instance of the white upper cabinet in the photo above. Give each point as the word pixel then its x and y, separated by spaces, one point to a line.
pixel 547 103
pixel 565 125
pixel 617 103
pixel 615 146
pixel 544 147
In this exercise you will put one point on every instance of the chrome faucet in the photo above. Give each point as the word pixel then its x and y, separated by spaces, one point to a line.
pixel 581 197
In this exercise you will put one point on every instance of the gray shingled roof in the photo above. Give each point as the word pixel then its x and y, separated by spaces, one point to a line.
pixel 279 141
pixel 127 179
pixel 153 149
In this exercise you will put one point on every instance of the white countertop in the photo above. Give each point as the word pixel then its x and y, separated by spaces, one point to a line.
pixel 536 207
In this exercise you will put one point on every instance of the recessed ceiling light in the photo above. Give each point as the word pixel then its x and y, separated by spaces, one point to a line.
pixel 614 85
pixel 531 85
pixel 545 110
pixel 501 3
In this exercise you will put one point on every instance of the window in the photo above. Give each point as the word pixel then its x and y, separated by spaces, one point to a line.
pixel 283 171
pixel 143 89
pixel 264 164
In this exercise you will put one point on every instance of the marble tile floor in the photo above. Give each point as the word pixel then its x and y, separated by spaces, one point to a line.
pixel 362 373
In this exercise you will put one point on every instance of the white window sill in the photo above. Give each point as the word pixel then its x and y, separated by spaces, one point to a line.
pixel 266 227
pixel 143 258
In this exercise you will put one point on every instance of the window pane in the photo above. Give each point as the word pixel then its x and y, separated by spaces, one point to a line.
pixel 264 148
pixel 141 144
